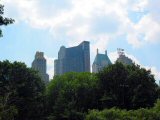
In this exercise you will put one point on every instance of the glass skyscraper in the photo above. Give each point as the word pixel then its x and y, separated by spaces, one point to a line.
pixel 73 59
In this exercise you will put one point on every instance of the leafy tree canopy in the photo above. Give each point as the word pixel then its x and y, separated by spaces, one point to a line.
pixel 127 86
pixel 21 92
pixel 72 94
pixel 119 114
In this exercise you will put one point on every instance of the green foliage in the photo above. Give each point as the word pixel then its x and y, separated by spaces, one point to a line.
pixel 158 91
pixel 117 114
pixel 7 112
pixel 71 95
pixel 21 92
pixel 157 106
pixel 3 20
pixel 123 86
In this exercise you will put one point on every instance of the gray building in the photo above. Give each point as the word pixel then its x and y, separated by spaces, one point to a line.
pixel 123 58
pixel 100 61
pixel 39 64
pixel 73 59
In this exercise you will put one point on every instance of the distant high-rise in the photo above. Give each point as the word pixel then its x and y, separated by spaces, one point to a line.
pixel 39 64
pixel 100 61
pixel 123 58
pixel 73 59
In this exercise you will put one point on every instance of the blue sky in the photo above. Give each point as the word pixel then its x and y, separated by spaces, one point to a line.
pixel 45 25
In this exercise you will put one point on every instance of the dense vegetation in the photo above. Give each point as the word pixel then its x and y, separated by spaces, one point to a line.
pixel 117 92
pixel 123 86
pixel 126 87
pixel 117 114
pixel 71 95
pixel 21 92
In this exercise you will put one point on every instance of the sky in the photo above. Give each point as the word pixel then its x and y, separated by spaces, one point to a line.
pixel 46 25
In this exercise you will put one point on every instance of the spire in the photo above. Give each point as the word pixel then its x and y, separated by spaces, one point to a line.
pixel 105 52
pixel 97 50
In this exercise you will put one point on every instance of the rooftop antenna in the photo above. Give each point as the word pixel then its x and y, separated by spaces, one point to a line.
pixel 97 50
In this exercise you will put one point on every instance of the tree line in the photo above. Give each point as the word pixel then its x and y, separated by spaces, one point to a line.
pixel 117 90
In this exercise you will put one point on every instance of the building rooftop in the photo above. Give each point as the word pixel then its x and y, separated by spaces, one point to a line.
pixel 39 55
pixel 100 58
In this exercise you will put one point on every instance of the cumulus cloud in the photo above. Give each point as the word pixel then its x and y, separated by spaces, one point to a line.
pixel 90 19
pixel 113 56
pixel 147 29
pixel 155 72
pixel 154 9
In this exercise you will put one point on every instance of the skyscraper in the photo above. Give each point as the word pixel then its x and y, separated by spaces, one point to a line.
pixel 73 59
pixel 123 58
pixel 39 64
pixel 100 61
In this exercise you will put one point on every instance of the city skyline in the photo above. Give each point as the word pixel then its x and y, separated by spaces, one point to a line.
pixel 131 25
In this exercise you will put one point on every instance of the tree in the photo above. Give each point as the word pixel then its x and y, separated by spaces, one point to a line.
pixel 113 85
pixel 21 92
pixel 71 95
pixel 158 89
pixel 3 20
pixel 141 83
pixel 127 87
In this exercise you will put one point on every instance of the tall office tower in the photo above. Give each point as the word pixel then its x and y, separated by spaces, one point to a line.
pixel 73 59
pixel 123 58
pixel 39 64
pixel 100 61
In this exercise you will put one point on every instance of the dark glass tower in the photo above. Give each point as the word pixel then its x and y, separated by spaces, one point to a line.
pixel 73 59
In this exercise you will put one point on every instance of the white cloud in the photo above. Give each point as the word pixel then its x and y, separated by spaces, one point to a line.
pixel 98 42
pixel 145 31
pixel 154 9
pixel 156 73
pixel 77 18
pixel 134 40
pixel 149 28
pixel 113 56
